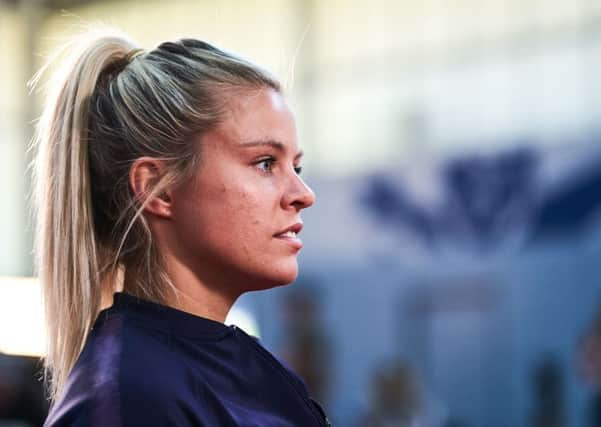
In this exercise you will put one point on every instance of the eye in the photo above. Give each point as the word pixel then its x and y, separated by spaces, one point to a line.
pixel 298 169
pixel 266 165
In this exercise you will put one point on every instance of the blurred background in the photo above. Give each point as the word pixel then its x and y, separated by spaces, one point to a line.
pixel 451 274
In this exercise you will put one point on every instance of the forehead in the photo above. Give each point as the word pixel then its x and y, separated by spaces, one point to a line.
pixel 258 115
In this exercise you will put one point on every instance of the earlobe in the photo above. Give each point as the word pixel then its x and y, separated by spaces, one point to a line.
pixel 144 176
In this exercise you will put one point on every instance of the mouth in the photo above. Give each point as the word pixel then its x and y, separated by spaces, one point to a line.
pixel 291 231
pixel 290 234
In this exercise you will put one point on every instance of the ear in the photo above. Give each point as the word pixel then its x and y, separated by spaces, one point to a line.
pixel 144 174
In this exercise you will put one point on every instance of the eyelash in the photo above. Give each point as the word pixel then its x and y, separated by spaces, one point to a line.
pixel 271 161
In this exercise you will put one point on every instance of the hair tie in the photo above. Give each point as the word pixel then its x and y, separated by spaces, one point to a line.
pixel 118 65
pixel 133 54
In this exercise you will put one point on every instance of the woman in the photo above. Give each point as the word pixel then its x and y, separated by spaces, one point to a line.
pixel 171 175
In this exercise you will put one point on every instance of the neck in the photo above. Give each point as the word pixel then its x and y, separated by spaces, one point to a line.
pixel 199 290
pixel 201 302
pixel 197 296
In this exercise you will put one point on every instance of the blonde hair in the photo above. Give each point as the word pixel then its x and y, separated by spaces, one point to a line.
pixel 110 103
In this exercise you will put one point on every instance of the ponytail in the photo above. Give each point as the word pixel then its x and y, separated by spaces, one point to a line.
pixel 67 250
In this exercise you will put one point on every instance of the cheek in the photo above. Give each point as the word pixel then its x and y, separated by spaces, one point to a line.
pixel 242 215
pixel 231 217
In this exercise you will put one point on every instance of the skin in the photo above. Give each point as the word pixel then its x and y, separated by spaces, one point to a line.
pixel 218 231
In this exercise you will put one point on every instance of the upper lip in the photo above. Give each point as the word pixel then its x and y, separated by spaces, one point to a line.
pixel 296 228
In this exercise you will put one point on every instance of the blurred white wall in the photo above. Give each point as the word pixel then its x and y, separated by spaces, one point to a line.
pixel 14 244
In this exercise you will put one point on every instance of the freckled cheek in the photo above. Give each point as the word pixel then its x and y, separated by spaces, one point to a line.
pixel 241 215
pixel 250 214
pixel 234 218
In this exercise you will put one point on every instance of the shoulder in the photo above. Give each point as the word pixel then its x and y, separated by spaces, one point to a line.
pixel 127 375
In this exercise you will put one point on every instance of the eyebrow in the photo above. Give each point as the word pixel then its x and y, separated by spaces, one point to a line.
pixel 271 143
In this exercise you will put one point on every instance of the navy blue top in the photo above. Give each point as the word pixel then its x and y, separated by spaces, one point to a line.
pixel 146 364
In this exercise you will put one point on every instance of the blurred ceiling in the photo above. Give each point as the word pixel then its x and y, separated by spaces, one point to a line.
pixel 51 4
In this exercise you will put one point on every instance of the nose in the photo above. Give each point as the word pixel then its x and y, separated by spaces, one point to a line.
pixel 298 194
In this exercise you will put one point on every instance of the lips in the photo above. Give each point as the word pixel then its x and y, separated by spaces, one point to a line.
pixel 291 231
pixel 290 235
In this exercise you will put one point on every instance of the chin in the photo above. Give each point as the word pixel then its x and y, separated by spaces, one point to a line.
pixel 288 272
pixel 283 279
pixel 288 279
pixel 281 276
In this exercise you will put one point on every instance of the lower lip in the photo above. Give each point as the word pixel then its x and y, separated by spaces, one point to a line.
pixel 293 241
